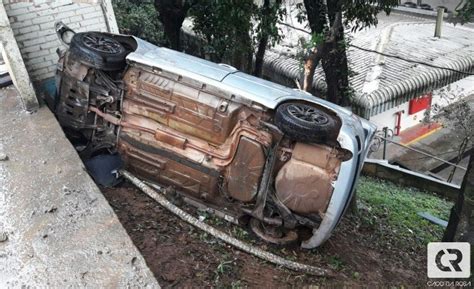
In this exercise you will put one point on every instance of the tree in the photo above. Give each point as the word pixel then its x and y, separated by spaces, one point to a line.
pixel 459 116
pixel 230 28
pixel 140 19
pixel 267 30
pixel 461 221
pixel 172 14
pixel 464 11
pixel 236 30
pixel 227 28
pixel 325 19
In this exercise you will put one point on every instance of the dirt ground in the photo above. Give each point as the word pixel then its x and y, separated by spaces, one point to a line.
pixel 182 256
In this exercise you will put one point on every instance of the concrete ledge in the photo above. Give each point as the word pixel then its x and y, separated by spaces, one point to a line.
pixel 429 14
pixel 382 169
pixel 56 228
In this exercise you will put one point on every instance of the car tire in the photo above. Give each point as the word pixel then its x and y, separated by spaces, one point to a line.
pixel 306 123
pixel 98 50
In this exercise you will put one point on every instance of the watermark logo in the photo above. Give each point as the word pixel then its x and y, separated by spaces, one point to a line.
pixel 449 260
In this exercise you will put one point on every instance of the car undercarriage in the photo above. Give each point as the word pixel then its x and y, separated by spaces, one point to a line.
pixel 273 168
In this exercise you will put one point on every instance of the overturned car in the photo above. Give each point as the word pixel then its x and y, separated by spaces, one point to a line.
pixel 252 151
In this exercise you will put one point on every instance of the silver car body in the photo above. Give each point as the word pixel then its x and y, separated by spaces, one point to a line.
pixel 355 134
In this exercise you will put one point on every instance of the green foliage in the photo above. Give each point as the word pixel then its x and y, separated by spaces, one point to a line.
pixel 392 213
pixel 316 39
pixel 455 113
pixel 267 20
pixel 138 18
pixel 224 268
pixel 336 263
pixel 328 20
pixel 464 11
pixel 360 14
pixel 226 25
pixel 459 116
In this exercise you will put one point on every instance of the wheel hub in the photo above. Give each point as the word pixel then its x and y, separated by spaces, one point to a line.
pixel 102 44
pixel 307 113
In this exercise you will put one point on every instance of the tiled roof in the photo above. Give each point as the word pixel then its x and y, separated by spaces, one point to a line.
pixel 383 82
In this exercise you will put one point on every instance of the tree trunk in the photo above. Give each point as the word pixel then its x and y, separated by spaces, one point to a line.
pixel 461 221
pixel 172 31
pixel 263 41
pixel 262 46
pixel 310 67
pixel 316 12
pixel 459 157
pixel 171 15
pixel 335 62
pixel 330 52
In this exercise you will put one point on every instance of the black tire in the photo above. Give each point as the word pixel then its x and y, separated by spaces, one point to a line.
pixel 306 123
pixel 98 50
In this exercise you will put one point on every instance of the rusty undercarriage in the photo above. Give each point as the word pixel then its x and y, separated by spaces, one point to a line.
pixel 238 158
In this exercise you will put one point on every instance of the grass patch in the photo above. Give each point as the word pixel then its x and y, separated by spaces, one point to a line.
pixel 391 210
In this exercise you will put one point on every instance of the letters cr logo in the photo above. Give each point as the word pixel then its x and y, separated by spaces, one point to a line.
pixel 449 260
pixel 454 263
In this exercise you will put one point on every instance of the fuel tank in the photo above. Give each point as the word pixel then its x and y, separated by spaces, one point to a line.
pixel 306 182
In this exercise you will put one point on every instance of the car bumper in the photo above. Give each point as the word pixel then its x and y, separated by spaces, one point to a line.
pixel 355 137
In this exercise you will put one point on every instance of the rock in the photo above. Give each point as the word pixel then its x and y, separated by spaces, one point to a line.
pixel 3 237
pixel 52 209
pixel 3 157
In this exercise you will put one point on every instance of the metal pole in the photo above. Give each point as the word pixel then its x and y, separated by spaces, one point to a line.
pixel 385 129
pixel 256 251
pixel 426 154
pixel 439 22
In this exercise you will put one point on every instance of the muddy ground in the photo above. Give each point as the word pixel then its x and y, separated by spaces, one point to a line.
pixel 182 256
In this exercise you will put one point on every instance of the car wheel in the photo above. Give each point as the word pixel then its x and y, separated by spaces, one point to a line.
pixel 98 50
pixel 306 123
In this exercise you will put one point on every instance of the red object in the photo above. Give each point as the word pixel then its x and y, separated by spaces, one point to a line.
pixel 420 103
pixel 410 134
pixel 398 126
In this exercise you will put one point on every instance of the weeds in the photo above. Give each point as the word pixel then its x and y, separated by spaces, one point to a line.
pixel 391 211
pixel 336 263
pixel 224 267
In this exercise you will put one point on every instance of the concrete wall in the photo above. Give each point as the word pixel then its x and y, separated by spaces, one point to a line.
pixel 450 4
pixel 33 25
pixel 14 63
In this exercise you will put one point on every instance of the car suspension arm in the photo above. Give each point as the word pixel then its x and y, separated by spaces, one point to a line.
pixel 267 256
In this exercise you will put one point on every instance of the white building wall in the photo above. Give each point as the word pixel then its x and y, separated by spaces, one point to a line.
pixel 456 90
pixel 389 118
pixel 33 25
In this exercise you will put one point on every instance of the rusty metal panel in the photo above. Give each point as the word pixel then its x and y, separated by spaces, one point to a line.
pixel 195 147
pixel 304 183
pixel 322 156
pixel 72 110
pixel 244 173
pixel 164 169
pixel 187 109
